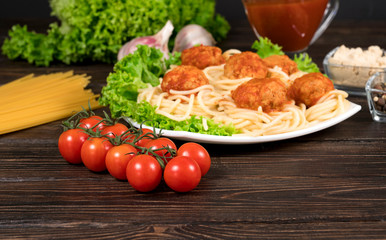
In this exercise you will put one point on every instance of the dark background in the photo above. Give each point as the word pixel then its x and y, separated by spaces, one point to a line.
pixel 231 9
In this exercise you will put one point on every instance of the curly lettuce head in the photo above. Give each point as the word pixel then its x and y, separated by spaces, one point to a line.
pixel 96 29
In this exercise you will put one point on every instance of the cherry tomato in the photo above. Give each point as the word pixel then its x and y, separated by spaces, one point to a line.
pixel 161 143
pixel 182 174
pixel 114 130
pixel 144 138
pixel 117 159
pixel 144 173
pixel 94 152
pixel 93 122
pixel 70 143
pixel 198 153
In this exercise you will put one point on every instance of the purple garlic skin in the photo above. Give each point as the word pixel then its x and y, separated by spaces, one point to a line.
pixel 159 40
pixel 192 35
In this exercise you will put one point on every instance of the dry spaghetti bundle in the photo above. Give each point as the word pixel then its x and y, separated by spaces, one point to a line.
pixel 33 100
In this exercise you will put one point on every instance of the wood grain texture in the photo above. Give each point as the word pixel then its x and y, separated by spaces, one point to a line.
pixel 327 185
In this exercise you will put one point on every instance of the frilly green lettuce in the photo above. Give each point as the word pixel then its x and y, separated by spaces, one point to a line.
pixel 94 30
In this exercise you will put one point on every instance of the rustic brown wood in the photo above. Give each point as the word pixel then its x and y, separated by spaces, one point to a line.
pixel 330 184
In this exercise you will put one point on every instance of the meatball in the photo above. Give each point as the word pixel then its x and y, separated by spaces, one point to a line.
pixel 245 64
pixel 269 93
pixel 309 88
pixel 202 56
pixel 283 61
pixel 183 78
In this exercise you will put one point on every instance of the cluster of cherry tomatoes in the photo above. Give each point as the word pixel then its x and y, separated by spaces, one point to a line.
pixel 139 156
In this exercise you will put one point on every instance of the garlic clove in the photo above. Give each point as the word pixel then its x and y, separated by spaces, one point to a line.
pixel 192 35
pixel 162 38
pixel 159 40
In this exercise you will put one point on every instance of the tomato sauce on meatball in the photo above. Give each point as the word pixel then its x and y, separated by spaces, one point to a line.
pixel 245 64
pixel 286 64
pixel 309 88
pixel 202 56
pixel 183 78
pixel 269 93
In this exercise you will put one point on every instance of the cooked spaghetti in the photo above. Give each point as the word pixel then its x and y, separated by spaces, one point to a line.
pixel 214 101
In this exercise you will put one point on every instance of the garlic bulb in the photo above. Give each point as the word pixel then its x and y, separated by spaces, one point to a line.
pixel 192 35
pixel 159 40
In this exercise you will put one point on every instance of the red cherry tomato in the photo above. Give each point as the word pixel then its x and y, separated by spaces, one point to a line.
pixel 70 143
pixel 198 153
pixel 144 173
pixel 182 174
pixel 94 152
pixel 117 159
pixel 144 138
pixel 114 130
pixel 93 123
pixel 161 143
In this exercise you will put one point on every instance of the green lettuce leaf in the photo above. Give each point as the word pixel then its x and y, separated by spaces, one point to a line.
pixel 305 63
pixel 33 47
pixel 265 48
pixel 133 72
pixel 146 113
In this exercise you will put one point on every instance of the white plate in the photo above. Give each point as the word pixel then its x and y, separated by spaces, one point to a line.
pixel 204 138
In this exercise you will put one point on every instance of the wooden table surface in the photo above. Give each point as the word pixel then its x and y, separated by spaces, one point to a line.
pixel 329 184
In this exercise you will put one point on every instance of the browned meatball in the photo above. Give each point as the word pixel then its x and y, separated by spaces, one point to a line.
pixel 245 64
pixel 309 88
pixel 283 61
pixel 269 93
pixel 183 78
pixel 202 56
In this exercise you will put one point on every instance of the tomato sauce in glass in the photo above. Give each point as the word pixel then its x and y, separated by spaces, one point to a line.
pixel 289 23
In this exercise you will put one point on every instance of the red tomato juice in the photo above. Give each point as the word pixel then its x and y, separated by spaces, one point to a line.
pixel 289 23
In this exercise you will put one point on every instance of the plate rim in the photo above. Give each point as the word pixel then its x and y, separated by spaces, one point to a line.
pixel 214 139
